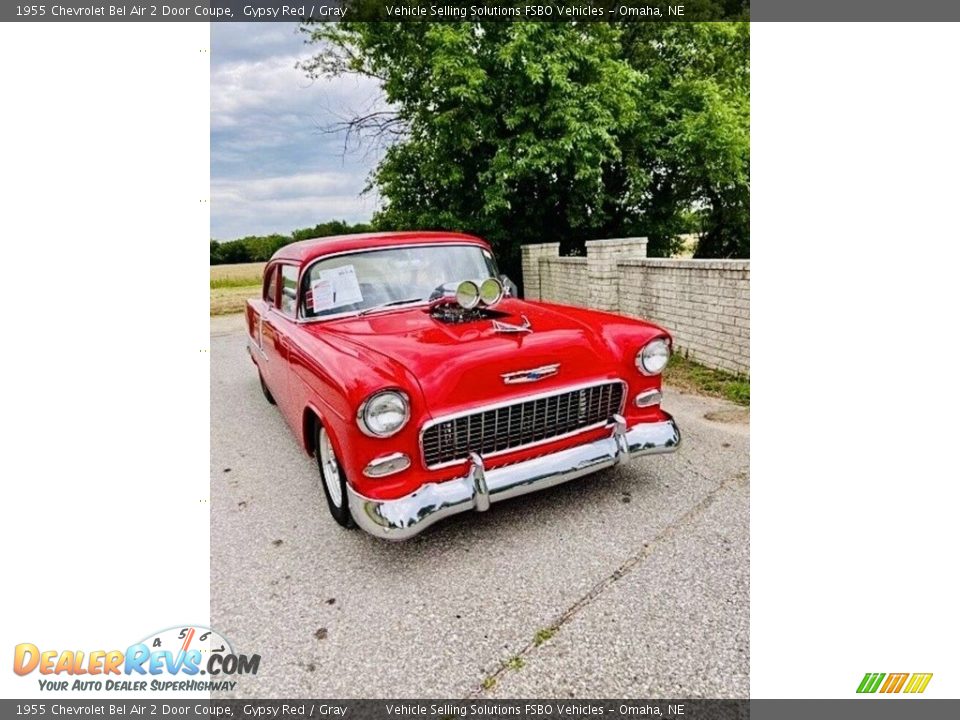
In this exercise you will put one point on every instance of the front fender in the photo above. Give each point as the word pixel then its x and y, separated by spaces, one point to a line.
pixel 331 381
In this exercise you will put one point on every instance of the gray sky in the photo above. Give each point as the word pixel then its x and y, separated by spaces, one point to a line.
pixel 271 169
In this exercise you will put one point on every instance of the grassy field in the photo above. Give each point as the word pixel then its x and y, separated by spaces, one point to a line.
pixel 242 275
pixel 231 285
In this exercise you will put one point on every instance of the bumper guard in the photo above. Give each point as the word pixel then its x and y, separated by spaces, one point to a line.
pixel 404 517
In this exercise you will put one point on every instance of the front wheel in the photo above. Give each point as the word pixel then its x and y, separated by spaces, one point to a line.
pixel 334 480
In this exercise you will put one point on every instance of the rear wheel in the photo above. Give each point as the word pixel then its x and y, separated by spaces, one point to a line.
pixel 334 480
pixel 266 391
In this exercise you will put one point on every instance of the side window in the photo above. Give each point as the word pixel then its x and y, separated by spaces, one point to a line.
pixel 288 290
pixel 270 286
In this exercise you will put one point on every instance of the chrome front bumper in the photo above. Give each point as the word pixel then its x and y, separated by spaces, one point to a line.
pixel 404 517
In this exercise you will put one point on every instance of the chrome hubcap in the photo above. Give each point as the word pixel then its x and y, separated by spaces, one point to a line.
pixel 329 469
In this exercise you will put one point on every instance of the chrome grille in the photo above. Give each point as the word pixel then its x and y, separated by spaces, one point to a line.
pixel 507 427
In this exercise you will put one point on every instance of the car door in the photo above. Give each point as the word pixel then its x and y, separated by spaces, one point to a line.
pixel 267 338
pixel 278 325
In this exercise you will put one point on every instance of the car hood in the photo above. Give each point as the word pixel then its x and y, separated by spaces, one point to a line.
pixel 459 365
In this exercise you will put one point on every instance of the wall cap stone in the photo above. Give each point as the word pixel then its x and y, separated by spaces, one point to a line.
pixel 618 241
pixel 533 246
pixel 687 263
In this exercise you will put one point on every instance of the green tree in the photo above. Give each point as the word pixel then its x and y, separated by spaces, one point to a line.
pixel 697 154
pixel 332 227
pixel 537 132
pixel 260 248
pixel 234 251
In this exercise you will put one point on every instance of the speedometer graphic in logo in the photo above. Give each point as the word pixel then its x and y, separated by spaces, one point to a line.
pixel 182 639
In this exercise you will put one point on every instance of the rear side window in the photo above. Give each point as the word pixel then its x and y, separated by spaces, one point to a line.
pixel 288 290
pixel 270 286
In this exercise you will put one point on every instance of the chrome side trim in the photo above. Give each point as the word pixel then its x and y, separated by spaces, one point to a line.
pixel 252 345
pixel 405 517
pixel 515 401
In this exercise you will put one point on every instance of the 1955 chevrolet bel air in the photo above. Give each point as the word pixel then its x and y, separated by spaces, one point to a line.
pixel 406 365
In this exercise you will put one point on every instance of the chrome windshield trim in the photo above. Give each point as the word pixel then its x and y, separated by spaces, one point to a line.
pixel 516 401
pixel 356 313
pixel 360 313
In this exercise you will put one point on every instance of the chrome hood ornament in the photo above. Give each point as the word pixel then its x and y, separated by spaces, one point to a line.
pixel 505 327
pixel 532 375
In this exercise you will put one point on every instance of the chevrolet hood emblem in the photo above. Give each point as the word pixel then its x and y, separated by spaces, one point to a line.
pixel 532 375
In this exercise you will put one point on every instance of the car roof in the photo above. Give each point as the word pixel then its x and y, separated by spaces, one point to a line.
pixel 306 251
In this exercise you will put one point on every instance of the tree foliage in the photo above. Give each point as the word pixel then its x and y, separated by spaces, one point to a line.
pixel 539 132
pixel 260 248
pixel 698 151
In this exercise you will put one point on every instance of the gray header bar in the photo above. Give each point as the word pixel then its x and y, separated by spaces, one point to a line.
pixel 479 10
pixel 377 10
pixel 872 708
pixel 854 10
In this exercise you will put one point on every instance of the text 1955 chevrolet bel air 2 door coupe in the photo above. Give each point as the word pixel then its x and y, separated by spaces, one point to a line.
pixel 424 388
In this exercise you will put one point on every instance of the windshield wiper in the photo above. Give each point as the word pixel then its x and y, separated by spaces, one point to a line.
pixel 388 304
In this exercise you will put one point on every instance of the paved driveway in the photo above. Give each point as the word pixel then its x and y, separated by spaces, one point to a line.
pixel 633 582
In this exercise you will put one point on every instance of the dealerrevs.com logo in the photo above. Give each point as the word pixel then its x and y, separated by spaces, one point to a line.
pixel 183 658
pixel 894 683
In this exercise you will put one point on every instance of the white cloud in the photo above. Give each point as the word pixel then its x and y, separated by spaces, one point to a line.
pixel 275 85
pixel 272 168
pixel 281 204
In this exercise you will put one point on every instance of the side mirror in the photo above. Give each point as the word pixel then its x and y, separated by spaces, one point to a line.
pixel 509 287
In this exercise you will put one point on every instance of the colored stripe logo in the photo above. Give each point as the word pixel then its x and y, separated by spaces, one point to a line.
pixel 894 682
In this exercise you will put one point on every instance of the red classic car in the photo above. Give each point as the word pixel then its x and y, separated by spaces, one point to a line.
pixel 423 387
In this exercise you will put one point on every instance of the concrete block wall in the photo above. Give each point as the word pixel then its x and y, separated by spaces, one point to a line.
pixel 565 280
pixel 530 256
pixel 602 273
pixel 547 276
pixel 705 304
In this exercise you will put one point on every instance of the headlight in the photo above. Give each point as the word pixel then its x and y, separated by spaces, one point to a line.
pixel 653 357
pixel 491 292
pixel 468 294
pixel 384 413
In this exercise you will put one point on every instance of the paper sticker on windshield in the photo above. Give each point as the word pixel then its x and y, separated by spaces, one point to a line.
pixel 335 288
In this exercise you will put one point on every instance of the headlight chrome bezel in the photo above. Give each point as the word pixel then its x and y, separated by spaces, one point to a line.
pixel 367 404
pixel 468 294
pixel 657 344
pixel 491 292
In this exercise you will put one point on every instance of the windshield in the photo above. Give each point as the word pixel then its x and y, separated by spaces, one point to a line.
pixel 362 280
